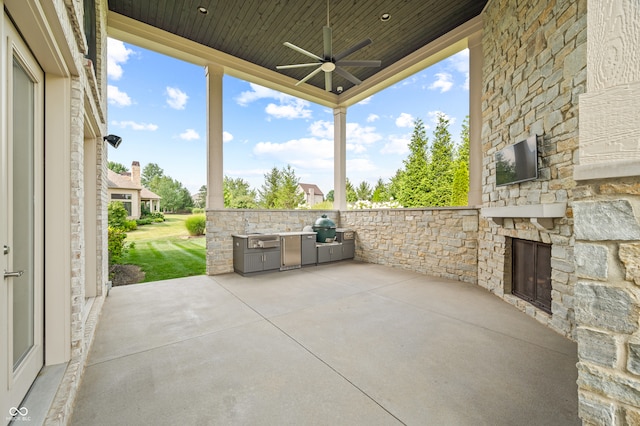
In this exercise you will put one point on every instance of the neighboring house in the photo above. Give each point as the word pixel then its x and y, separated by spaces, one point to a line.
pixel 566 71
pixel 126 188
pixel 312 194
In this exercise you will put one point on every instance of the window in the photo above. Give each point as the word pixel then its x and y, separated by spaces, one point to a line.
pixel 90 30
pixel 120 196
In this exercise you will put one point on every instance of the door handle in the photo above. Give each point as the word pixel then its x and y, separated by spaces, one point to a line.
pixel 13 274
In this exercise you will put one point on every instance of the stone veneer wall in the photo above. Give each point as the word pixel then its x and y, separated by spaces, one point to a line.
pixel 607 252
pixel 438 242
pixel 85 90
pixel 607 219
pixel 534 69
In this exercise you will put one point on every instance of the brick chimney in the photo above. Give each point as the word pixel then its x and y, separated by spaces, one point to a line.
pixel 135 173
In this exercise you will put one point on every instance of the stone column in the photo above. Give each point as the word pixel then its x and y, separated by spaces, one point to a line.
pixel 606 212
pixel 215 195
pixel 475 120
pixel 339 158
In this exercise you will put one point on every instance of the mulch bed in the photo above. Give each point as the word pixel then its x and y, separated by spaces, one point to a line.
pixel 125 274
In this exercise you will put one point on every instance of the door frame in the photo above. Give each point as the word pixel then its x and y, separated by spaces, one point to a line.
pixel 15 384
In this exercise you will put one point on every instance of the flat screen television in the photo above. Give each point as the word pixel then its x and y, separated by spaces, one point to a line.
pixel 518 162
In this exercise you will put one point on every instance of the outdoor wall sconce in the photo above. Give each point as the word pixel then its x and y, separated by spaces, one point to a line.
pixel 113 140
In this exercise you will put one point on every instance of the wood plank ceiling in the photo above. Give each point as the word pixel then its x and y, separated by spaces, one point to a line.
pixel 254 30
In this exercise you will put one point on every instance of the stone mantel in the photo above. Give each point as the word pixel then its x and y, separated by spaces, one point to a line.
pixel 541 215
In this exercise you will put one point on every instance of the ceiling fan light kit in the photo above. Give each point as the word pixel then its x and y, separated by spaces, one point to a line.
pixel 330 63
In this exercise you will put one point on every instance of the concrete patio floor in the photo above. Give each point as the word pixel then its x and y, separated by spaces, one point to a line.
pixel 345 343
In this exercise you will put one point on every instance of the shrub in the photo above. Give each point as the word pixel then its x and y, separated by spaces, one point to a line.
pixel 325 205
pixel 197 210
pixel 130 225
pixel 159 216
pixel 116 245
pixel 117 215
pixel 196 224
pixel 145 221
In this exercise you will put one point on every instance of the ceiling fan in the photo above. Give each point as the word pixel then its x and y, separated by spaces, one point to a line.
pixel 330 62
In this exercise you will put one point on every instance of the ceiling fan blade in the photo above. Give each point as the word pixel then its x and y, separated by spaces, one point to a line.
pixel 352 49
pixel 346 74
pixel 326 39
pixel 286 67
pixel 358 63
pixel 311 74
pixel 328 81
pixel 301 50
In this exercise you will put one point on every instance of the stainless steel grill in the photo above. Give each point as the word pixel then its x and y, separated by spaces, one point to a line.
pixel 263 241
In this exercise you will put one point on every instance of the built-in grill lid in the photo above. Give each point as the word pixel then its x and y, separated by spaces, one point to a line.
pixel 324 222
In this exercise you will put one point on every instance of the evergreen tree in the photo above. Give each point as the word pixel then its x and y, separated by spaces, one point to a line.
pixel 117 167
pixel 329 196
pixel 238 194
pixel 395 185
pixel 280 189
pixel 460 185
pixel 201 197
pixel 269 192
pixel 413 188
pixel 352 197
pixel 440 170
pixel 289 197
pixel 363 192
pixel 380 192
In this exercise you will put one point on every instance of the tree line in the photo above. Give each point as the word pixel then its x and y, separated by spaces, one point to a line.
pixel 434 174
pixel 174 196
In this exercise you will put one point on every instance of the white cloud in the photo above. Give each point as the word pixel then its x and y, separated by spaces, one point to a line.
pixel 311 153
pixel 258 92
pixel 296 109
pixel 117 54
pixel 321 129
pixel 443 82
pixel 365 101
pixel 189 135
pixel 460 63
pixel 176 98
pixel 289 107
pixel 396 145
pixel 372 117
pixel 360 165
pixel 135 125
pixel 435 114
pixel 405 120
pixel 362 135
pixel 357 136
pixel 227 137
pixel 116 97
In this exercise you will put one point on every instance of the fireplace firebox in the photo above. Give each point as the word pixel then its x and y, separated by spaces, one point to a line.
pixel 531 266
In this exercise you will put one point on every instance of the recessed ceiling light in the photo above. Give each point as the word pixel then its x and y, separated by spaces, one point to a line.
pixel 203 10
pixel 385 17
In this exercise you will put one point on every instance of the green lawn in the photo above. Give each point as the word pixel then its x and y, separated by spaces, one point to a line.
pixel 165 250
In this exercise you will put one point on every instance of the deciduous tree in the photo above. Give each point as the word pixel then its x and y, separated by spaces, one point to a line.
pixel 117 167
pixel 238 194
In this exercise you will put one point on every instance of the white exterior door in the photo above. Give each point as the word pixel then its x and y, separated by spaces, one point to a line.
pixel 21 219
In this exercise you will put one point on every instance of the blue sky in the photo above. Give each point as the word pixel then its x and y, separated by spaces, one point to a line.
pixel 158 105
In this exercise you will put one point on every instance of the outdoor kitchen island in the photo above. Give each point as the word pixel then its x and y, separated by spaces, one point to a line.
pixel 262 252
